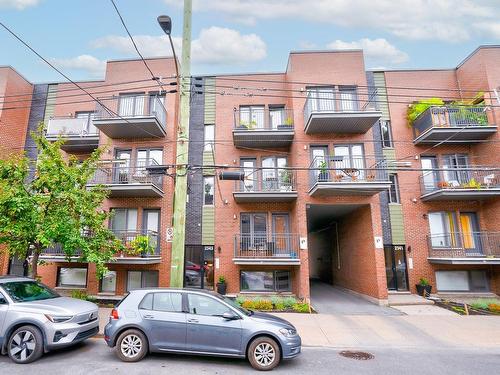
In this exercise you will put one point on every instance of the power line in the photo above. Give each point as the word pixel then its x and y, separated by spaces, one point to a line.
pixel 155 78
pixel 73 82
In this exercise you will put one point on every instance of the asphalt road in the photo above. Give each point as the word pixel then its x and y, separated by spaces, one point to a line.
pixel 94 357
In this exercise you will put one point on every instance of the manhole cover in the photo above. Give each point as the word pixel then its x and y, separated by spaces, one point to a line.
pixel 360 356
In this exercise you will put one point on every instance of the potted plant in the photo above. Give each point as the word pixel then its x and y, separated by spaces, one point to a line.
pixel 221 285
pixel 443 184
pixel 416 109
pixel 287 124
pixel 423 287
pixel 141 245
pixel 286 180
pixel 323 171
pixel 243 125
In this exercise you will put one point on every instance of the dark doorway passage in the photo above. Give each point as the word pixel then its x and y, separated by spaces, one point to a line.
pixel 199 267
pixel 395 267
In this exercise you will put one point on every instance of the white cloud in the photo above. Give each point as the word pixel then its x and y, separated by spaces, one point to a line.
pixel 86 63
pixel 18 4
pixel 215 45
pixel 376 51
pixel 445 20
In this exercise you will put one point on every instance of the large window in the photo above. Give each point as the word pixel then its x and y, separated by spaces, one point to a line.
pixel 72 277
pixel 462 281
pixel 208 190
pixel 252 117
pixel 149 156
pixel 123 220
pixel 108 282
pixel 352 158
pixel 277 116
pixel 142 279
pixel 265 281
pixel 394 189
pixel 454 230
pixel 385 133
pixel 321 98
pixel 209 137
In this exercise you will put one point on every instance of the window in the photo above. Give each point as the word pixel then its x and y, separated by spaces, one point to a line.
pixel 142 279
pixel 108 282
pixel 89 124
pixel 203 305
pixel 208 189
pixel 451 175
pixel 321 99
pixel 252 117
pixel 462 281
pixel 394 189
pixel 455 230
pixel 3 301
pixel 168 302
pixel 131 105
pixel 123 220
pixel 274 176
pixel 348 100
pixel 27 291
pixel 385 133
pixel 72 277
pixel 149 156
pixel 265 281
pixel 352 158
pixel 209 137
pixel 277 117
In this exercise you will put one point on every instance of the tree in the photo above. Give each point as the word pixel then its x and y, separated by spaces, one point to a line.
pixel 54 207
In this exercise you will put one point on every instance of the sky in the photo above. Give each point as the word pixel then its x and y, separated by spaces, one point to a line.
pixel 230 36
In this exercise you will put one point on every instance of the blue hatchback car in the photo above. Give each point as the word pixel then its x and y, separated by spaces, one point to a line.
pixel 197 322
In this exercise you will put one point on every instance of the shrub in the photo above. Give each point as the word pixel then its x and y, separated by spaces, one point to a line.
pixel 79 294
pixel 423 281
pixel 494 307
pixel 289 302
pixel 239 300
pixel 280 305
pixel 484 303
pixel 301 307
pixel 416 109
pixel 248 304
pixel 263 304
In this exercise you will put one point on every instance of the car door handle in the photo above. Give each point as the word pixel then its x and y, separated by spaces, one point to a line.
pixel 192 320
pixel 148 316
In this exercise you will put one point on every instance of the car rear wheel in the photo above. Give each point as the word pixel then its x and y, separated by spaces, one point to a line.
pixel 131 346
pixel 25 345
pixel 264 354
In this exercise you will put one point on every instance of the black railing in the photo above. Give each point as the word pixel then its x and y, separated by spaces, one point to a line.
pixel 266 245
pixel 268 180
pixel 272 119
pixel 460 178
pixel 463 245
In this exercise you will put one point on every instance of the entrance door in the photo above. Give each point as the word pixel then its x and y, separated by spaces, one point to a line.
pixel 199 267
pixel 395 267
pixel 281 235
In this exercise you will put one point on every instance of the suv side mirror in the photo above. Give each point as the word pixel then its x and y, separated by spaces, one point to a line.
pixel 230 316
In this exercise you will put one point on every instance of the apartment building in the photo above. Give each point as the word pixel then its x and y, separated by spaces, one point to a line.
pixel 338 188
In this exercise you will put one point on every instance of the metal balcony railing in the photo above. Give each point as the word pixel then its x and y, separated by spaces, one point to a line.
pixel 472 177
pixel 266 245
pixel 132 106
pixel 125 236
pixel 347 169
pixel 71 126
pixel 463 245
pixel 450 116
pixel 335 100
pixel 267 180
pixel 120 171
pixel 271 119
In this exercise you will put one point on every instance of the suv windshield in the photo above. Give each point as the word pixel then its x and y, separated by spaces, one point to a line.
pixel 25 291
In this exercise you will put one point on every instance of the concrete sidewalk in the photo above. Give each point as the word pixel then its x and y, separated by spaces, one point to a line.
pixel 406 331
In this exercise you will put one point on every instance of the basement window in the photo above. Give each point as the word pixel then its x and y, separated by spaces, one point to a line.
pixel 265 281
pixel 462 281
pixel 71 277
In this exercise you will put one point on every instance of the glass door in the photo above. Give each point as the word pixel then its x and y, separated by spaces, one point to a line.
pixel 281 235
pixel 395 267
pixel 348 99
pixel 320 163
pixel 352 164
pixel 199 267
pixel 470 233
pixel 253 230
pixel 454 174
pixel 151 226
pixel 430 177
pixel 250 181
pixel 122 166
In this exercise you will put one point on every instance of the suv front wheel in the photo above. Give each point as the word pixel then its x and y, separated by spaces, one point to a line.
pixel 131 346
pixel 25 345
pixel 264 354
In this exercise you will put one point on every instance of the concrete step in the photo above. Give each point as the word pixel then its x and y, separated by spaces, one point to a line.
pixel 407 299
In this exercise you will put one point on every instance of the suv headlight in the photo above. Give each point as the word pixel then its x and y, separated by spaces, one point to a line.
pixel 58 318
pixel 288 332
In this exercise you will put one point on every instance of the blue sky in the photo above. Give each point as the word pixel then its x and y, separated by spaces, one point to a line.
pixel 245 35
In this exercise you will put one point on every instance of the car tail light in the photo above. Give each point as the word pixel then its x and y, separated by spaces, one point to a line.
pixel 114 314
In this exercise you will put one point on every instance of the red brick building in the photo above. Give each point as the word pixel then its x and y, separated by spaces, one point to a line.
pixel 338 187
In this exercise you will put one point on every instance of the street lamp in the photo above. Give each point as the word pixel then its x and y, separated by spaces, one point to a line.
pixel 165 23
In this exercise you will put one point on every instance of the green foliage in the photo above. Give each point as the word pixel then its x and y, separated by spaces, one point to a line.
pixel 423 281
pixel 239 300
pixel 54 206
pixel 222 279
pixel 472 184
pixel 140 245
pixel 289 302
pixel 483 303
pixel 288 121
pixel 81 294
pixel 263 304
pixel 301 307
pixel 416 109
pixel 323 167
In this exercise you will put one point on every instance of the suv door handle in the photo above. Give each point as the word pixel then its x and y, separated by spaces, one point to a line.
pixel 193 320
pixel 148 316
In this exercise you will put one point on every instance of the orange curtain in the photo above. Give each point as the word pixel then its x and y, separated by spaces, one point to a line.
pixel 467 230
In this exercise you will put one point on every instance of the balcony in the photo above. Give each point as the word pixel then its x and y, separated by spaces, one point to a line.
pixel 453 125
pixel 464 248
pixel 266 249
pixel 124 180
pixel 131 116
pixel 79 134
pixel 334 111
pixel 354 175
pixel 266 185
pixel 263 128
pixel 460 183
pixel 56 253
